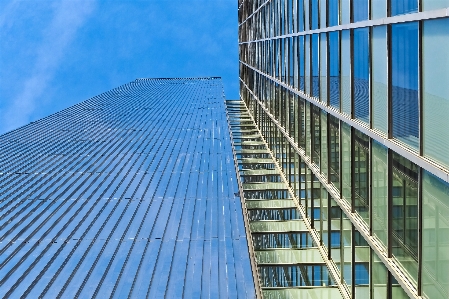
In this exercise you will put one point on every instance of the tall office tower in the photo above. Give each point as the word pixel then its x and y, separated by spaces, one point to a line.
pixel 130 194
pixel 352 99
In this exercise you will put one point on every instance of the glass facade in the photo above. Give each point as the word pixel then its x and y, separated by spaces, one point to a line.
pixel 130 194
pixel 368 136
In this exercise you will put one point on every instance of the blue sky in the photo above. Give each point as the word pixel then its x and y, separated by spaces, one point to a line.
pixel 54 54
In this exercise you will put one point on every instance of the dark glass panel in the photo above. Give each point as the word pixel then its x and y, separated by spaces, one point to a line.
pixel 404 207
pixel 281 240
pixel 300 15
pixel 359 10
pixel 333 12
pixel 399 7
pixel 302 275
pixel 315 65
pixel 301 62
pixel 361 74
pixel 404 62
pixel 334 148
pixel 361 174
pixel 334 69
pixel 315 12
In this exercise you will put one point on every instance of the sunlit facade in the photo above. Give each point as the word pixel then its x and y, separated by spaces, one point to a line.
pixel 352 100
pixel 129 194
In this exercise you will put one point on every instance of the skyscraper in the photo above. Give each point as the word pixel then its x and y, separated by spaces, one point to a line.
pixel 130 194
pixel 352 99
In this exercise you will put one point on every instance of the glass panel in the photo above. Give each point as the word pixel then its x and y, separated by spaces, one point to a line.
pixel 345 9
pixel 300 14
pixel 347 249
pixel 334 69
pixel 333 12
pixel 323 67
pixel 399 7
pixel 435 70
pixel 316 130
pixel 336 239
pixel 378 9
pixel 307 127
pixel 397 292
pixel 334 148
pixel 301 123
pixel 404 62
pixel 435 279
pixel 324 145
pixel 361 74
pixel 330 292
pixel 359 10
pixel 315 13
pixel 404 207
pixel 379 190
pixel 379 78
pixel 301 62
pixel 294 276
pixel 324 218
pixel 434 4
pixel 307 64
pixel 380 277
pixel 315 65
pixel 346 161
pixel 281 240
pixel 323 11
pixel 306 15
pixel 346 72
pixel 361 174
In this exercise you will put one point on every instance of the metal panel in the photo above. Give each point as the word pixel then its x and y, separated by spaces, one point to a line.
pixel 127 194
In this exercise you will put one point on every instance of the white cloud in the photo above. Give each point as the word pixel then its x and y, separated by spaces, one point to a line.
pixel 67 18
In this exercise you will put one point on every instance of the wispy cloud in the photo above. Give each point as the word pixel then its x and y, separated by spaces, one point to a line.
pixel 67 18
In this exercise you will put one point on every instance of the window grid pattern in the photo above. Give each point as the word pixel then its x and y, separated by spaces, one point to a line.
pixel 390 104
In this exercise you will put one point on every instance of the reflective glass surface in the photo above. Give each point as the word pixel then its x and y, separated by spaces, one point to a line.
pixel 128 194
pixel 379 79
pixel 404 89
pixel 361 74
pixel 323 68
pixel 379 187
pixel 435 241
pixel 359 10
pixel 404 236
pixel 316 65
pixel 435 72
pixel 434 4
pixel 399 7
pixel 334 69
pixel 346 72
pixel 378 9
pixel 333 12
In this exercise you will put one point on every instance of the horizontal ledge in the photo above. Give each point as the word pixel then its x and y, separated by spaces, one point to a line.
pixel 418 16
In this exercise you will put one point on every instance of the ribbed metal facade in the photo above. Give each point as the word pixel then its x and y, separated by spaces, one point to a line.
pixel 130 194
